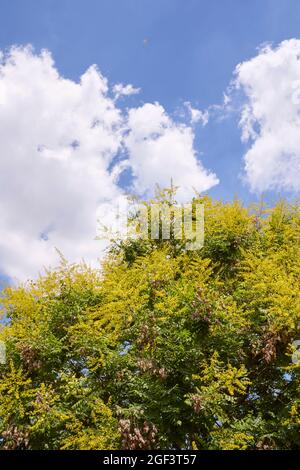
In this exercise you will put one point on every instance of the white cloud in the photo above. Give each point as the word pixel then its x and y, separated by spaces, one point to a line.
pixel 161 149
pixel 124 90
pixel 58 146
pixel 57 138
pixel 270 118
pixel 197 115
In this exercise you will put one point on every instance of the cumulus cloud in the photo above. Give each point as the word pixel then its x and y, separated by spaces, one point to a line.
pixel 160 149
pixel 60 147
pixel 57 138
pixel 270 118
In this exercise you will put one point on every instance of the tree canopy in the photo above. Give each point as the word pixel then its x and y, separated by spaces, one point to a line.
pixel 162 347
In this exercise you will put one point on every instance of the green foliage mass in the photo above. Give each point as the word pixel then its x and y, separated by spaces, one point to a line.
pixel 163 347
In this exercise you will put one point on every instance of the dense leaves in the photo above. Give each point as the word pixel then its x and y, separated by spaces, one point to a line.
pixel 164 347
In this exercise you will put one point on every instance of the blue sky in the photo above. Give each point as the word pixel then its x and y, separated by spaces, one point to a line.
pixel 193 47
pixel 174 51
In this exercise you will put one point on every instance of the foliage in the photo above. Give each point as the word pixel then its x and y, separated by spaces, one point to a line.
pixel 164 347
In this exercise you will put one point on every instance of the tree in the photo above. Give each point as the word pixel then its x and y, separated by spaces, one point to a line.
pixel 162 347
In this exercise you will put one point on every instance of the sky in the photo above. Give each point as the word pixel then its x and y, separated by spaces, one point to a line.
pixel 99 98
